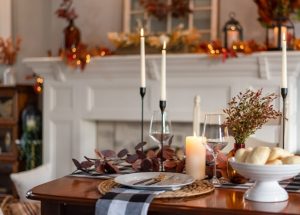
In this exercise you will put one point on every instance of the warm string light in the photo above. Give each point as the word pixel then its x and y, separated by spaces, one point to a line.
pixel 81 56
pixel 38 86
pixel 38 82
pixel 215 49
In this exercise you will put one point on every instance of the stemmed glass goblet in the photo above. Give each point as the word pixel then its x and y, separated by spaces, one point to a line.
pixel 217 138
pixel 160 131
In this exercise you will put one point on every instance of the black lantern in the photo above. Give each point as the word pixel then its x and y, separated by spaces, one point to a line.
pixel 274 33
pixel 233 31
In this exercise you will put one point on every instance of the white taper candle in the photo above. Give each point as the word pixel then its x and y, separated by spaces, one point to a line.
pixel 284 65
pixel 196 116
pixel 163 96
pixel 143 65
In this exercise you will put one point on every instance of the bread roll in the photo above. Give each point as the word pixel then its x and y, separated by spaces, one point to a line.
pixel 245 155
pixel 278 153
pixel 259 155
pixel 239 154
pixel 274 162
pixel 291 160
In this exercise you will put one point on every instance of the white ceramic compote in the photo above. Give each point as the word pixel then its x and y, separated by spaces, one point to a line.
pixel 266 187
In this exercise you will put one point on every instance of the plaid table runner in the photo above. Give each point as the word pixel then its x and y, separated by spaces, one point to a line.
pixel 122 201
pixel 289 185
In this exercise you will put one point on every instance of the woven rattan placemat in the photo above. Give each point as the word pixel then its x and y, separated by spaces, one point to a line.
pixel 197 188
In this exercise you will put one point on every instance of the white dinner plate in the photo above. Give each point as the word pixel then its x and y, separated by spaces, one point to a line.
pixel 172 181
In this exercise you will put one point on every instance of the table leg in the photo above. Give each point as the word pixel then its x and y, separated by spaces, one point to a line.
pixel 51 208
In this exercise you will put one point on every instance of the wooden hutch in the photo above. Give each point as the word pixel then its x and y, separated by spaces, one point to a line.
pixel 13 99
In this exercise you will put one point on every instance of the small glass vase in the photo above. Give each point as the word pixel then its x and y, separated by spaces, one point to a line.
pixel 72 36
pixel 233 176
pixel 9 76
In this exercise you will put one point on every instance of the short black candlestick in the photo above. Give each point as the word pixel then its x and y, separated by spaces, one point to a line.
pixel 142 93
pixel 162 105
pixel 284 92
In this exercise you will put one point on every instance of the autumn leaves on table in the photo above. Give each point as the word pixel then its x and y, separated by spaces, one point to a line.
pixel 110 162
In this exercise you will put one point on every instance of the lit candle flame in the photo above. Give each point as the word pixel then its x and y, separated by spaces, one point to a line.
pixel 142 32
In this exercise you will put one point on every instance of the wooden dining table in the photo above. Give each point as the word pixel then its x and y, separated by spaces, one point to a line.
pixel 77 196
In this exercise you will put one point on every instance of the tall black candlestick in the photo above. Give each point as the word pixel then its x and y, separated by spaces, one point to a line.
pixel 284 92
pixel 142 93
pixel 162 105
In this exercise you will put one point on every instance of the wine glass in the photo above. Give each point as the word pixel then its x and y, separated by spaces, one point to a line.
pixel 160 131
pixel 217 137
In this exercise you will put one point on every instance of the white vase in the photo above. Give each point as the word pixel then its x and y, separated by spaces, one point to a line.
pixel 9 76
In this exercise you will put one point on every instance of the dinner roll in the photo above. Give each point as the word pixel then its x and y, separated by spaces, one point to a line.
pixel 274 162
pixel 291 160
pixel 239 154
pixel 278 153
pixel 259 155
pixel 245 155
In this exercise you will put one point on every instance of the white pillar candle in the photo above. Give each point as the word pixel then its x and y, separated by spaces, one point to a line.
pixel 232 36
pixel 163 96
pixel 142 53
pixel 195 156
pixel 284 65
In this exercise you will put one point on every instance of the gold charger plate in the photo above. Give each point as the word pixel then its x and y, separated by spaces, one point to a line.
pixel 199 187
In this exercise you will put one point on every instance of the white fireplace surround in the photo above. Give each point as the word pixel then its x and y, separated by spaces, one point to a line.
pixel 108 90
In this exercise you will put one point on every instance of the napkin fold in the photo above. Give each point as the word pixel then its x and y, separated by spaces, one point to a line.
pixel 122 201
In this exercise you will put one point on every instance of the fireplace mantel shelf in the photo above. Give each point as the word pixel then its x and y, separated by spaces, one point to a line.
pixel 108 90
pixel 260 65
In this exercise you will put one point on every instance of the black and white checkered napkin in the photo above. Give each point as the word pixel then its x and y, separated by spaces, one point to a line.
pixel 288 185
pixel 122 201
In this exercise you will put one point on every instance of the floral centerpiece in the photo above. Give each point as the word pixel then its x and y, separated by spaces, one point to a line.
pixel 66 10
pixel 248 112
pixel 71 32
pixel 8 56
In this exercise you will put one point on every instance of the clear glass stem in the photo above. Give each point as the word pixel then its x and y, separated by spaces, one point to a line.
pixel 215 179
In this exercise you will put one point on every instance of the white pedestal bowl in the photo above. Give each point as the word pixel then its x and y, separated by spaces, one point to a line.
pixel 266 187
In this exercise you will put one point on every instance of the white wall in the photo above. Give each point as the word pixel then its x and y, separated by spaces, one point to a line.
pixel 31 23
pixel 41 30
pixel 5 18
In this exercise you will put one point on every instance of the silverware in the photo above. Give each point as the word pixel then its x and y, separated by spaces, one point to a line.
pixel 142 181
pixel 159 180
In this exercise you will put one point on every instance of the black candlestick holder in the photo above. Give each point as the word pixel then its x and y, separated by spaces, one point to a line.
pixel 162 106
pixel 142 93
pixel 284 92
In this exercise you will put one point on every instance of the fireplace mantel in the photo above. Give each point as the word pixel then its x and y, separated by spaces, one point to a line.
pixel 108 90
